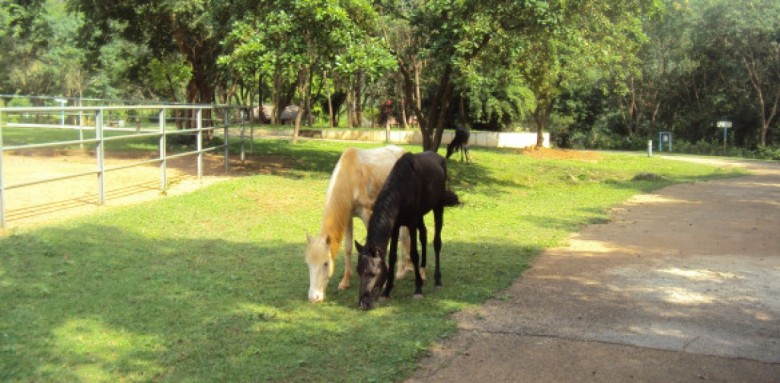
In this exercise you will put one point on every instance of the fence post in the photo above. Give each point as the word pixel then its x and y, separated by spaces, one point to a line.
pixel 163 151
pixel 81 125
pixel 226 121
pixel 241 122
pixel 2 187
pixel 100 157
pixel 199 125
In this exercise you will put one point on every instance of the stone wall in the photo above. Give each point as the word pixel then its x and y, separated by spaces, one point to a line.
pixel 478 138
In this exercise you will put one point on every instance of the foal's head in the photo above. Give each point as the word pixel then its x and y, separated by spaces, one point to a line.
pixel 320 266
pixel 373 274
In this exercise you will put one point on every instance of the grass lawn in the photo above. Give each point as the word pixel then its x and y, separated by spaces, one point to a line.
pixel 212 286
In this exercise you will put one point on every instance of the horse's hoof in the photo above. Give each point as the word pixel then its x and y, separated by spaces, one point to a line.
pixel 438 287
pixel 418 296
pixel 343 285
pixel 383 298
pixel 422 273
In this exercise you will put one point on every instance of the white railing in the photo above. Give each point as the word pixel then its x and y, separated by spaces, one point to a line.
pixel 22 117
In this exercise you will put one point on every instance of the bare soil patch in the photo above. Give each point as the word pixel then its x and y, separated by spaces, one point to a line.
pixel 58 200
pixel 560 154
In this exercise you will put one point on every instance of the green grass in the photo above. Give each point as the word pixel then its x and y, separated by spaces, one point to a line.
pixel 212 286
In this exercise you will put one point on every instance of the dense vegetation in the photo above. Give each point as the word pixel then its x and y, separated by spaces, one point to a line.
pixel 593 73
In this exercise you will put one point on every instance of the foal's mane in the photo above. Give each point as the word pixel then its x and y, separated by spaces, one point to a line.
pixel 388 202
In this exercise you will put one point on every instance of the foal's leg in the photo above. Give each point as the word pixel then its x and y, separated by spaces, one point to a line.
pixel 424 246
pixel 438 219
pixel 347 256
pixel 418 281
pixel 392 259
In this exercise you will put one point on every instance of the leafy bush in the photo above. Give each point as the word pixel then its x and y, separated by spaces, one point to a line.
pixel 768 153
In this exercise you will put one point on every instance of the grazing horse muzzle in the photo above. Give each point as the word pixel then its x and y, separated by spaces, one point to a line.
pixel 318 281
pixel 373 275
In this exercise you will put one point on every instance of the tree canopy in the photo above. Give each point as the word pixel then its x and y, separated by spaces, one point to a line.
pixel 593 73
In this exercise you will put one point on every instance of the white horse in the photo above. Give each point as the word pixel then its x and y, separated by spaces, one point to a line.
pixel 356 181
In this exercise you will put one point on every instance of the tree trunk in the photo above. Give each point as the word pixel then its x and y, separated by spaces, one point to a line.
pixel 350 107
pixel 433 128
pixel 541 118
pixel 303 92
pixel 358 100
pixel 330 100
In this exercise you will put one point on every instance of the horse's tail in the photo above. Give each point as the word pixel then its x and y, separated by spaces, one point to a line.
pixel 450 198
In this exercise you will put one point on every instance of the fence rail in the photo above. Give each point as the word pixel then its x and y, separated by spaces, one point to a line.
pixel 29 118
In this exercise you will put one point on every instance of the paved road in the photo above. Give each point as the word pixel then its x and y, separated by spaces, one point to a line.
pixel 680 286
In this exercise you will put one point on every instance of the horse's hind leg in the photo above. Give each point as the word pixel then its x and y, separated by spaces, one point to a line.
pixel 347 256
pixel 418 281
pixel 405 263
pixel 424 247
pixel 438 219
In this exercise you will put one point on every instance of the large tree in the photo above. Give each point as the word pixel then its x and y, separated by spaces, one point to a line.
pixel 190 28
pixel 303 39
pixel 577 38
pixel 746 42
pixel 461 43
pixel 35 38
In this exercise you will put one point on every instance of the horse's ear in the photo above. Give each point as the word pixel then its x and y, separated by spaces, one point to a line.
pixel 358 247
pixel 374 251
pixel 308 238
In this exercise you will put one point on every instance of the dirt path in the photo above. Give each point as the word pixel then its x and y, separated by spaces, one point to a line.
pixel 682 285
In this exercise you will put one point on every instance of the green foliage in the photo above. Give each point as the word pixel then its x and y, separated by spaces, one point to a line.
pixel 768 153
pixel 491 100
pixel 211 286
pixel 169 76
pixel 704 61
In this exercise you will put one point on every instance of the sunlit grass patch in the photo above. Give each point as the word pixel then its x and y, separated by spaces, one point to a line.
pixel 212 286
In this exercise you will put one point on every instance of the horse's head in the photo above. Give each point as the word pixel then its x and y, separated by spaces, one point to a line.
pixel 373 274
pixel 320 266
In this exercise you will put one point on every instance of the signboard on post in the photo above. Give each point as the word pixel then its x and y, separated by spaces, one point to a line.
pixel 725 125
pixel 664 138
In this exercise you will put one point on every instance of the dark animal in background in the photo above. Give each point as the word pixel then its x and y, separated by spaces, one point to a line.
pixel 416 185
pixel 460 142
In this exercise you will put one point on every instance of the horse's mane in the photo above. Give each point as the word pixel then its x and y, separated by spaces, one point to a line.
pixel 338 199
pixel 357 176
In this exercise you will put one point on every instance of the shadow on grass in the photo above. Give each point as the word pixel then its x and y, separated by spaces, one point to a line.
pixel 95 303
pixel 471 176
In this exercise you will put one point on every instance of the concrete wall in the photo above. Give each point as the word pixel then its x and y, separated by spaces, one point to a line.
pixel 478 138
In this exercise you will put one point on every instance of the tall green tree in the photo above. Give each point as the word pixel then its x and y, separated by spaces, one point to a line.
pixel 304 38
pixel 577 38
pixel 193 29
pixel 745 41
pixel 40 56
pixel 463 42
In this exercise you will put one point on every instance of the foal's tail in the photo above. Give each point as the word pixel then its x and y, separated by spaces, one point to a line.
pixel 450 198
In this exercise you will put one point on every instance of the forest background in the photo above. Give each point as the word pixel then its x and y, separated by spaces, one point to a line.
pixel 595 74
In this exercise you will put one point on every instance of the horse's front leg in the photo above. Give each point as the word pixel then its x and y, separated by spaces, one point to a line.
pixel 392 259
pixel 347 257
pixel 418 282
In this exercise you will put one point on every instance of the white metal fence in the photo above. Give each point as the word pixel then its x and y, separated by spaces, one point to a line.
pixel 115 120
